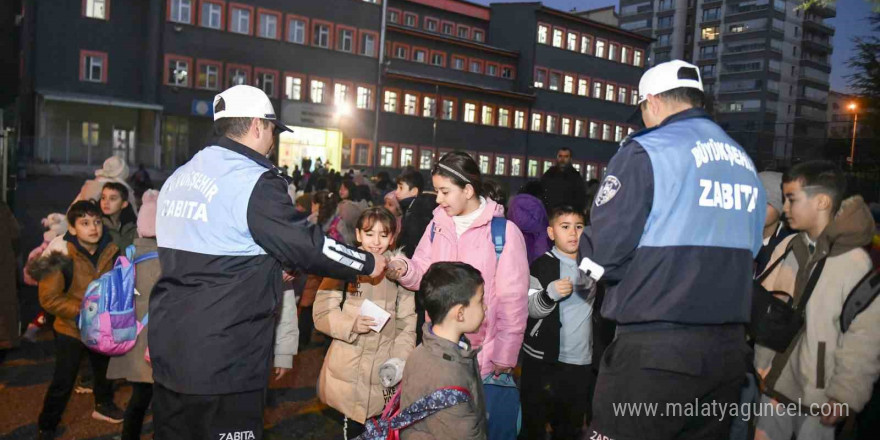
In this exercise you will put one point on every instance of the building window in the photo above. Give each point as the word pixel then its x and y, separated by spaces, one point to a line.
pixel 393 16
pixel 361 152
pixel 406 157
pixel 410 104
pixel 555 80
pixel 500 166
pixel 609 92
pixel 624 54
pixel 212 15
pixel 543 33
pixel 586 44
pixel 448 110
pixel 540 78
pixel 458 62
pixel 621 95
pixel 237 75
pixel 420 55
pixel 550 124
pixel 606 132
pixel 208 75
pixel 637 58
pixel 590 171
pixel 519 119
pixel 93 66
pixel 463 31
pixel 448 28
pixel 507 72
pixel 618 133
pixel 341 93
pixel 515 166
pixel 390 101
pixel 476 66
pixel 296 30
pixel 557 37
pixel 665 22
pixel 503 117
pixel 268 24
pixel 429 106
pixel 364 98
pixel 367 44
pixel 318 91
pixel 95 9
pixel 321 33
pixel 438 59
pixel 266 80
pixel 426 159
pixel 709 33
pixel 533 168
pixel 579 127
pixel 177 70
pixel 90 134
pixel 548 164
pixel 478 35
pixel 583 87
pixel 568 84
pixel 293 87
pixel 181 11
pixel 410 19
pixel 386 156
pixel 594 130
pixel 488 115
pixel 600 49
pixel 737 28
pixel 597 89
pixel 491 69
pixel 566 126
pixel 536 121
pixel 345 39
pixel 470 112
pixel 634 97
pixel 240 19
pixel 571 42
pixel 431 24
pixel 401 51
pixel 484 162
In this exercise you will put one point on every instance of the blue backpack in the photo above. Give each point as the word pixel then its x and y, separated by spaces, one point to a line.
pixel 107 320
pixel 499 232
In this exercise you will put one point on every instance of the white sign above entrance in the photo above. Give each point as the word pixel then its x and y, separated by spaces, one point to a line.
pixel 309 115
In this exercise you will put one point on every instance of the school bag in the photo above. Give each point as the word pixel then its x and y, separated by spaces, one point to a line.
pixel 499 234
pixel 107 320
pixel 865 292
pixel 393 419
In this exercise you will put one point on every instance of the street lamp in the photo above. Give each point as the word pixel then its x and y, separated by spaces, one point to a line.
pixel 852 149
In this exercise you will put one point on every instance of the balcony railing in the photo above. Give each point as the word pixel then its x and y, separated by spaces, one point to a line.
pixel 738 9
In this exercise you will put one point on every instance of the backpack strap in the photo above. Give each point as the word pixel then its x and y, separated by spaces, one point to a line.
pixel 145 257
pixel 499 234
pixel 865 292
pixel 801 306
pixel 433 229
pixel 440 399
pixel 129 252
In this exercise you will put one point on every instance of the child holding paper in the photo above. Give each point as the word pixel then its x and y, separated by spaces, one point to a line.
pixel 373 326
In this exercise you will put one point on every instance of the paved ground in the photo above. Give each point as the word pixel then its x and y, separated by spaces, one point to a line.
pixel 293 410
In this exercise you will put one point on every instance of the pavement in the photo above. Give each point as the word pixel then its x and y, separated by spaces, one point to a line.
pixel 292 411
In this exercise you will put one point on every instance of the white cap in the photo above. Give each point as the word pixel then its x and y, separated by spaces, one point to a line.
pixel 245 102
pixel 667 76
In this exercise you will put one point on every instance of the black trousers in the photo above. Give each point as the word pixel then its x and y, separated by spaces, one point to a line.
pixel 673 371
pixel 68 353
pixel 141 395
pixel 557 393
pixel 207 417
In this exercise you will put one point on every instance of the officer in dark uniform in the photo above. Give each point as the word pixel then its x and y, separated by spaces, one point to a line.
pixel 675 226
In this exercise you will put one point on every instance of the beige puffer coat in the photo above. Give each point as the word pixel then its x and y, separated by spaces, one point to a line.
pixel 349 380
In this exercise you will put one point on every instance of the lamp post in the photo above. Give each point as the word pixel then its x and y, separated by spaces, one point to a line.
pixel 852 149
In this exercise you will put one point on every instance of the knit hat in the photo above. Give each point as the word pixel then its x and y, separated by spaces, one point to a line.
pixel 146 221
pixel 114 168
pixel 772 181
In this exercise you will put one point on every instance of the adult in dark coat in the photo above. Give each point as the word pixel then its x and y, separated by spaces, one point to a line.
pixel 9 320
pixel 564 185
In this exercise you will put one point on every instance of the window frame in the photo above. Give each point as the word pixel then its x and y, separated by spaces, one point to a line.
pixel 480 61
pixel 616 55
pixel 394 157
pixel 328 88
pixel 398 106
pixel 395 46
pixel 330 35
pixel 544 85
pixel 478 116
pixel 416 109
pixel 549 33
pixel 556 123
pixel 167 75
pixel 512 71
pixel 303 87
pixel 375 35
pixel 531 125
pixel 259 70
pixel 371 106
pixel 584 124
pixel 641 57
pixel 106 10
pixel 454 108
pixel 474 32
pixel 169 3
pixel 370 150
pixel 249 70
pixel 423 49
pixel 560 86
pixel 388 12
pixel 222 4
pixel 506 165
pixel 497 69
pixel 354 38
pixel 278 27
pixel 522 165
pixel 602 84
pixel 490 170
pixel 306 32
pixel 229 27
pixel 415 154
pixel 458 27
pixel 445 22
pixel 564 34
pixel 83 53
pixel 629 56
pixel 437 52
pixel 509 116
pixel 434 20
pixel 577 40
pixel 590 46
pixel 352 93
pixel 421 107
pixel 422 149
pixel 589 86
pixel 206 62
pixel 574 82
pixel 562 120
pixel 410 14
pixel 494 107
pixel 464 59
pixel 604 48
pixel 525 113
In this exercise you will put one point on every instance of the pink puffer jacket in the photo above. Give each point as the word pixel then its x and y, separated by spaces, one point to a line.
pixel 507 279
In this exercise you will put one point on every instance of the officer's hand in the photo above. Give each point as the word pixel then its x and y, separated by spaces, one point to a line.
pixel 280 372
pixel 362 324
pixel 379 267
pixel 396 269
pixel 563 287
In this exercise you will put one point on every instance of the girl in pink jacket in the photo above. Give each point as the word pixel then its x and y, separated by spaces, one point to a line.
pixel 462 232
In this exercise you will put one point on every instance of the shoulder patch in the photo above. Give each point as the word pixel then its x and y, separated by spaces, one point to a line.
pixel 610 187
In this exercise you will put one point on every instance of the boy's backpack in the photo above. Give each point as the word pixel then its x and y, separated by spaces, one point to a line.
pixel 107 320
pixel 499 234
pixel 393 419
pixel 860 298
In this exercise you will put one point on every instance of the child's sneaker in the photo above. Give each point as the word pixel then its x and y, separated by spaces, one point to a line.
pixel 108 412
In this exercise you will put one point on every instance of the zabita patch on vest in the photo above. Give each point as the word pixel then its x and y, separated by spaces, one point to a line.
pixel 728 196
pixel 610 187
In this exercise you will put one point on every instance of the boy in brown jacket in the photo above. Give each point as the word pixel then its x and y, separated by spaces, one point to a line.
pixel 453 297
pixel 63 281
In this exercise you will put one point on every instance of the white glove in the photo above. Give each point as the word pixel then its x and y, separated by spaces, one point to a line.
pixel 391 372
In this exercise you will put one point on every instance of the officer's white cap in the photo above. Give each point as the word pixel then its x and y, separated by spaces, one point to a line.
pixel 667 76
pixel 245 102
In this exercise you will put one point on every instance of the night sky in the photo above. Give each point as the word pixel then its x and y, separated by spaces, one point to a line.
pixel 851 21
